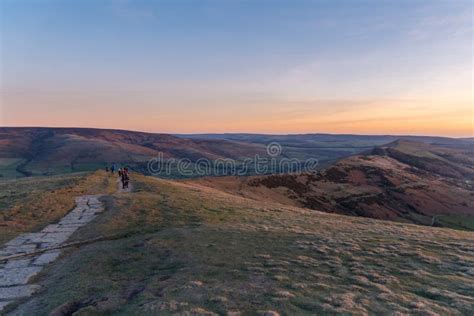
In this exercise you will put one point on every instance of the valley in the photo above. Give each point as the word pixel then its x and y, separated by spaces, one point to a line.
pixel 35 151
pixel 236 158
pixel 385 227
pixel 405 181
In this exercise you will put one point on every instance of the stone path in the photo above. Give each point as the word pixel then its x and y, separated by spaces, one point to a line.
pixel 15 273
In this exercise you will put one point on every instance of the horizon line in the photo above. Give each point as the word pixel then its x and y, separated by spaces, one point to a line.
pixel 239 133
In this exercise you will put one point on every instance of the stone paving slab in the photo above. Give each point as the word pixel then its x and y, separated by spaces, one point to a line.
pixel 47 257
pixel 57 228
pixel 34 237
pixel 56 238
pixel 15 273
pixel 21 249
pixel 18 291
pixel 70 226
pixel 16 276
pixel 19 263
pixel 16 242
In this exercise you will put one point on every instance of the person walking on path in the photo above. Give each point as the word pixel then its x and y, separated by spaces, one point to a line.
pixel 112 169
pixel 125 179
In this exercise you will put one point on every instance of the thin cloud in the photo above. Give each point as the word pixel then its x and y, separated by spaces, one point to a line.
pixel 130 10
pixel 432 26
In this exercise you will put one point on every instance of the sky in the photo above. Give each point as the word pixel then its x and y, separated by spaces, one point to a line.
pixel 277 67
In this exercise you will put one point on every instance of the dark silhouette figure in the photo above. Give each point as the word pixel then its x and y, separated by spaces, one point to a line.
pixel 125 180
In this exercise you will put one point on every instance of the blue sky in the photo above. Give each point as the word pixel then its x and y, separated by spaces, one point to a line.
pixel 250 66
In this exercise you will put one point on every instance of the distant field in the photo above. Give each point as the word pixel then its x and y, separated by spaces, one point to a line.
pixel 58 169
pixel 464 222
pixel 8 167
pixel 198 251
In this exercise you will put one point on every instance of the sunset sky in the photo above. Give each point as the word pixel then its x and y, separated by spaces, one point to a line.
pixel 365 67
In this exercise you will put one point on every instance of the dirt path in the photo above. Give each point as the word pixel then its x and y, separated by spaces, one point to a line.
pixel 126 190
pixel 15 273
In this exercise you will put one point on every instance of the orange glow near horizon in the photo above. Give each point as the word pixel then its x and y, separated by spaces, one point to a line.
pixel 274 67
pixel 396 117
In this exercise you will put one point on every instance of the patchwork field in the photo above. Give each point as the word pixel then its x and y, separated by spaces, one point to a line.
pixel 176 248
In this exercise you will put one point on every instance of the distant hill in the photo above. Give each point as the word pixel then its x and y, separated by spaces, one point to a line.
pixel 331 140
pixel 328 148
pixel 447 160
pixel 43 151
pixel 57 150
pixel 404 181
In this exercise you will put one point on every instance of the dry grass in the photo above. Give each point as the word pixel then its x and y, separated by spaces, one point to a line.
pixel 31 203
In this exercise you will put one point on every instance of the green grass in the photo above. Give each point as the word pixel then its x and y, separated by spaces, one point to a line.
pixel 464 222
pixel 62 169
pixel 8 168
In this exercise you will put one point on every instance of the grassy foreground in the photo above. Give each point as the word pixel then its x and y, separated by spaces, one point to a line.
pixel 28 204
pixel 190 250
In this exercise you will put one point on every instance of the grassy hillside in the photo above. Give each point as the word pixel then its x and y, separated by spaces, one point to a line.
pixel 404 181
pixel 47 151
pixel 445 161
pixel 330 147
pixel 29 204
pixel 194 250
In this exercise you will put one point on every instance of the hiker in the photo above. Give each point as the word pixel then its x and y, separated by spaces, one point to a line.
pixel 112 169
pixel 120 172
pixel 125 180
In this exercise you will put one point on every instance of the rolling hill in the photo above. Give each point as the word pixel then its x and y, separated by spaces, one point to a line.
pixel 33 151
pixel 44 151
pixel 186 249
pixel 404 181
pixel 423 180
pixel 256 245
